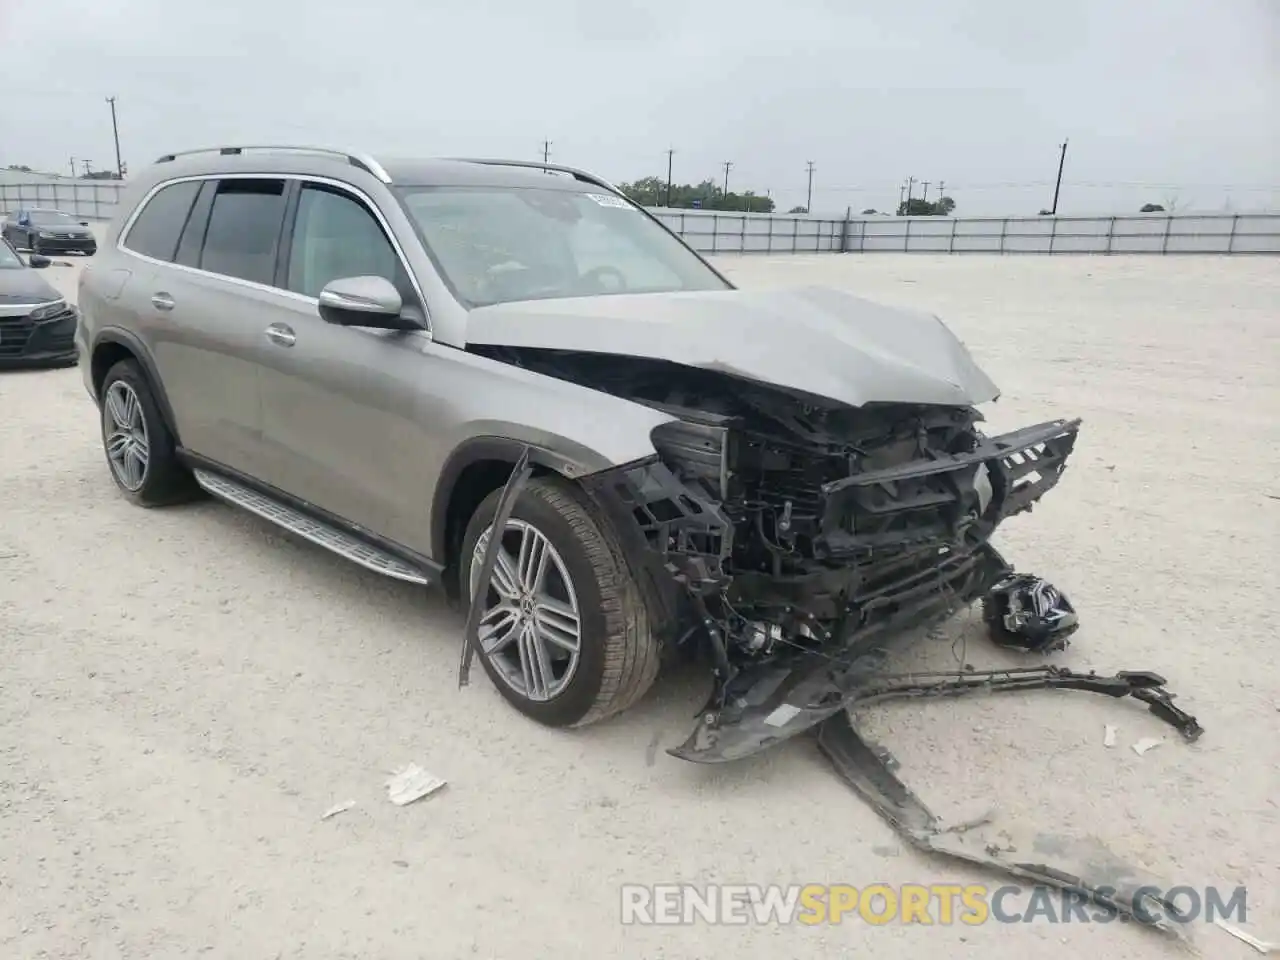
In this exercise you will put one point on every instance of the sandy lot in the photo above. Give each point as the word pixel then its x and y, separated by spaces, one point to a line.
pixel 185 691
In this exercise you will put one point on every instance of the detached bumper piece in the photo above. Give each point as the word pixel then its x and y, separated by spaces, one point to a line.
pixel 1086 869
pixel 794 692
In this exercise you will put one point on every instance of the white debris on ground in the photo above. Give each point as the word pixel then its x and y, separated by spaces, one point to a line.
pixel 178 685
pixel 1109 736
pixel 410 783
pixel 338 808
pixel 1147 743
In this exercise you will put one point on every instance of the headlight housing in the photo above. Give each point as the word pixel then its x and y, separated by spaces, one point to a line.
pixel 47 311
pixel 44 235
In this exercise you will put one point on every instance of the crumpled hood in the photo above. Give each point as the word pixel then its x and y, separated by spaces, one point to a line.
pixel 24 285
pixel 817 340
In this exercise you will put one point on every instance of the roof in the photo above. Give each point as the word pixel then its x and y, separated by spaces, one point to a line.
pixel 319 161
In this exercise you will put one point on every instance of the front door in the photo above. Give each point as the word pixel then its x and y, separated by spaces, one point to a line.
pixel 342 423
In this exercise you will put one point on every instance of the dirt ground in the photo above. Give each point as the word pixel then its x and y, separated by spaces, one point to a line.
pixel 185 691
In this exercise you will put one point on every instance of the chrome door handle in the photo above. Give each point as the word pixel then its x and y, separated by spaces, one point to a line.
pixel 281 335
pixel 162 301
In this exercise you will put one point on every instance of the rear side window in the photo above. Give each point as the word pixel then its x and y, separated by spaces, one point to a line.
pixel 244 230
pixel 157 228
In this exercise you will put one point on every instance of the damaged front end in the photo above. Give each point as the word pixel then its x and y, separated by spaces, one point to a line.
pixel 803 538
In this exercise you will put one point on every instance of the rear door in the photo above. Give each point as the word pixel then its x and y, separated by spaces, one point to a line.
pixel 207 313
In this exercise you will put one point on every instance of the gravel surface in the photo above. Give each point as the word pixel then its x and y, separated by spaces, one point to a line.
pixel 186 691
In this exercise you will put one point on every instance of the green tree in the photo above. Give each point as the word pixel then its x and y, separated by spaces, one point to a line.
pixel 799 209
pixel 869 211
pixel 1151 208
pixel 652 192
pixel 917 207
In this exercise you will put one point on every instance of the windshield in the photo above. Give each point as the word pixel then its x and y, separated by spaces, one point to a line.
pixel 8 259
pixel 51 217
pixel 503 244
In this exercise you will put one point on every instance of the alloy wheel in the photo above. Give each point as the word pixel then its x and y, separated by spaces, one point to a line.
pixel 531 628
pixel 125 432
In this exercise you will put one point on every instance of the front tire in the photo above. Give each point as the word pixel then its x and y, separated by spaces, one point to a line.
pixel 140 449
pixel 566 633
pixel 33 243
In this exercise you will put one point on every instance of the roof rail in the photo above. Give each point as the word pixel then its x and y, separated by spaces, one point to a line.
pixel 574 172
pixel 361 160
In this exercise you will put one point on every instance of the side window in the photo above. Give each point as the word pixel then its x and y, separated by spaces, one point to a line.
pixel 335 236
pixel 244 230
pixel 156 230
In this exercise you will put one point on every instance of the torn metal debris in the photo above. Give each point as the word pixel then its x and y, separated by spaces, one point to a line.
pixel 471 637
pixel 1088 870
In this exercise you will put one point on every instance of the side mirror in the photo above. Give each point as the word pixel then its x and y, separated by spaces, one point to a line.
pixel 38 261
pixel 363 302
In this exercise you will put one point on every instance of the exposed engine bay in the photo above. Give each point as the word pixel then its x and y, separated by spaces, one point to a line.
pixel 792 533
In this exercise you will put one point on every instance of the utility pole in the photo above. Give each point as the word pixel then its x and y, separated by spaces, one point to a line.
pixel 911 182
pixel 902 193
pixel 670 153
pixel 86 166
pixel 808 200
pixel 115 132
pixel 942 186
pixel 926 190
pixel 728 164
pixel 1062 159
pixel 73 166
pixel 546 151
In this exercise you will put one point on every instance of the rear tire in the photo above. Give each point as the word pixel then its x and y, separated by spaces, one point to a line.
pixel 617 655
pixel 139 446
pixel 33 243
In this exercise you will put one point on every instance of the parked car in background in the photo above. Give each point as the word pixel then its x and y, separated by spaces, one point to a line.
pixel 43 231
pixel 37 325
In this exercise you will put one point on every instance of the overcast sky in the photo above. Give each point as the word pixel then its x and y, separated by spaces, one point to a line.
pixel 1160 99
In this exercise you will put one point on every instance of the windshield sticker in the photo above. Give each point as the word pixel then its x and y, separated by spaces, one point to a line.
pixel 608 201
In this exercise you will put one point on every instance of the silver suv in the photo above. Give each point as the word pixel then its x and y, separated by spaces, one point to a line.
pixel 385 358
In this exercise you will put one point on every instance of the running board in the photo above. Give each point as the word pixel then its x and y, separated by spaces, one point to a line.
pixel 322 534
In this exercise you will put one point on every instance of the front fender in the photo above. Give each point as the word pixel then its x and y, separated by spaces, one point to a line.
pixel 586 435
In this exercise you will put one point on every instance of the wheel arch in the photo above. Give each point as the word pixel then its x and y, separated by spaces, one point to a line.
pixel 474 469
pixel 111 346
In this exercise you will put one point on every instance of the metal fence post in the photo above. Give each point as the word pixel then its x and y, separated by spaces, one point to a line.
pixel 844 233
pixel 1004 228
pixel 795 235
pixel 1111 232
pixel 742 237
pixel 1231 237
pixel 951 242
pixel 1053 233
pixel 906 237
pixel 1168 225
pixel 769 243
pixel 715 230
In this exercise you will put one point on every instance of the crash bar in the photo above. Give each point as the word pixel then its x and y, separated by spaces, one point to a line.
pixel 361 160
pixel 574 172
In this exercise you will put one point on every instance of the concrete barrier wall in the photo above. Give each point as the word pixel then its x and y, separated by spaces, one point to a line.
pixel 713 232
